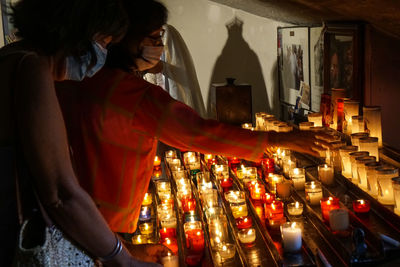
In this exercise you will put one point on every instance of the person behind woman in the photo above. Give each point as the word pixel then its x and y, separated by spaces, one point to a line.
pixel 58 40
pixel 119 117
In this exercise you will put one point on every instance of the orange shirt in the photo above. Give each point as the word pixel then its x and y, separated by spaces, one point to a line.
pixel 114 121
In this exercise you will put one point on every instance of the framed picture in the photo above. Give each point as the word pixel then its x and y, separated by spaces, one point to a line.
pixel 316 66
pixel 294 67
pixel 343 58
pixel 8 34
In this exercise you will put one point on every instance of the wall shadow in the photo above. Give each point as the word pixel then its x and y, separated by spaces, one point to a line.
pixel 239 61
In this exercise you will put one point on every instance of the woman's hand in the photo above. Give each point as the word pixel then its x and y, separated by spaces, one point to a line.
pixel 301 141
pixel 148 252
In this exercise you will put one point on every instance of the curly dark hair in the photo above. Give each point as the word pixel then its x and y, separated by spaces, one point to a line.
pixel 68 26
pixel 145 16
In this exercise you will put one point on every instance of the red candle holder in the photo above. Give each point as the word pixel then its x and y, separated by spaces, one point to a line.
pixel 274 210
pixel 328 204
pixel 195 240
pixel 361 206
pixel 226 183
pixel 244 222
pixel 268 198
pixel 172 244
pixel 188 204
pixel 257 191
pixel 157 161
pixel 167 233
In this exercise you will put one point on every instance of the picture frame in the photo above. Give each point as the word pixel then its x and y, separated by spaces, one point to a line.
pixel 316 66
pixel 293 64
pixel 343 56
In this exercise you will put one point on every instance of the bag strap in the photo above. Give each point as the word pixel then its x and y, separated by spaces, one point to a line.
pixel 27 201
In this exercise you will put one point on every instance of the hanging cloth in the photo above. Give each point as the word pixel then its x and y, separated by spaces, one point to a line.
pixel 178 77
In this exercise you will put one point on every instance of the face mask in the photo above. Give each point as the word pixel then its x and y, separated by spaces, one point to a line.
pixel 77 71
pixel 150 57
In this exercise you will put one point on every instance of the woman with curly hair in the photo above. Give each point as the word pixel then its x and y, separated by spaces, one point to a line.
pixel 59 40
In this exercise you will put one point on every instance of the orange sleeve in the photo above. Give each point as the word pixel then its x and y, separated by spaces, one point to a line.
pixel 180 126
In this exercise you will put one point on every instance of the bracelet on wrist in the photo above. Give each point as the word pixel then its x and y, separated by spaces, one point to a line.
pixel 117 249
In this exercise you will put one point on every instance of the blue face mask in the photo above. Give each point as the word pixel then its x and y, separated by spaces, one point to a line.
pixel 77 71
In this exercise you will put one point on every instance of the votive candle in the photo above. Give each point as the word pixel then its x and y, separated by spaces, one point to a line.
pixel 291 237
pixel 295 208
pixel 361 206
pixel 313 192
pixel 247 237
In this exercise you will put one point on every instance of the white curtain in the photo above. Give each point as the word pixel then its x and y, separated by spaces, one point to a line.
pixel 178 77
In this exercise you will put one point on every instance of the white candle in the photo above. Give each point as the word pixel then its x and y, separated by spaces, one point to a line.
pixel 325 174
pixel 226 251
pixel 291 237
pixel 247 236
pixel 298 177
pixel 295 208
pixel 384 178
pixel 338 219
pixel 170 260
pixel 313 192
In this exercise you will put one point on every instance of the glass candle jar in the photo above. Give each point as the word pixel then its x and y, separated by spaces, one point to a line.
pixel 145 214
pixel 339 220
pixel 247 237
pixel 260 125
pixel 370 144
pixel 326 174
pixel 385 185
pixel 179 174
pixel 226 251
pixel 218 229
pixel 163 187
pixel 313 192
pixel 305 126
pixel 288 165
pixel 147 200
pixel 396 193
pixel 345 158
pixel 291 237
pixel 372 119
pixel 170 154
pixel 295 208
pixel 362 174
pixel 350 109
pixel 298 177
pixel 168 221
pixel 316 118
pixel 361 206
pixel 194 236
pixel 146 228
pixel 244 222
pixel 355 138
pixel 174 164
pixel 353 156
pixel 221 171
pixel 275 179
pixel 357 125
pixel 372 183
pixel 274 210
pixel 328 204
